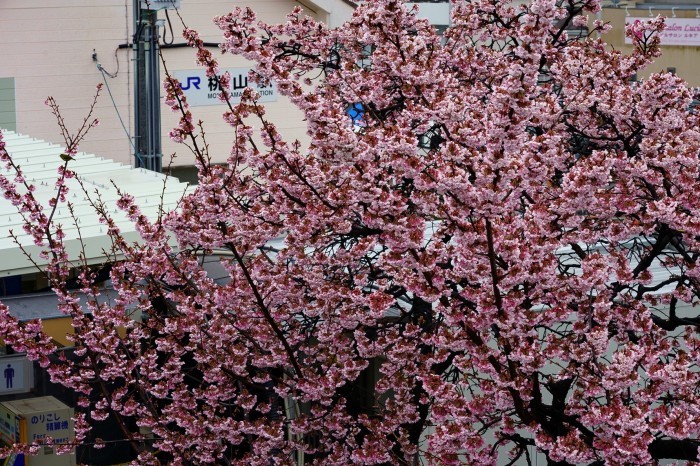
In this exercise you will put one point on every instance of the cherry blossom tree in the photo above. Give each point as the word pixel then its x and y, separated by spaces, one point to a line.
pixel 493 261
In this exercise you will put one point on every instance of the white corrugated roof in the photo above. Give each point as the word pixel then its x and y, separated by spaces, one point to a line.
pixel 39 161
pixel 26 307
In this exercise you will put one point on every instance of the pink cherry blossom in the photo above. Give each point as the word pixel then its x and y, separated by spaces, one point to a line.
pixel 498 264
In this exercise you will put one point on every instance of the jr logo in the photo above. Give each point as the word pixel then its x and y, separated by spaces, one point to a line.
pixel 191 81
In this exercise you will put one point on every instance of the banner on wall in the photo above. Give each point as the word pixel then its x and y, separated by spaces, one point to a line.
pixel 202 90
pixel 679 31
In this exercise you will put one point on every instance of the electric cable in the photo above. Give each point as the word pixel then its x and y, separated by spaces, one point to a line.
pixel 116 57
pixel 137 33
pixel 116 109
pixel 170 26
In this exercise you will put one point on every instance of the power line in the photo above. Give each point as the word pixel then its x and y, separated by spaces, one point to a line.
pixel 116 109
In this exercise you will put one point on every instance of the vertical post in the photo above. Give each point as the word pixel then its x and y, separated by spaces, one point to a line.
pixel 147 142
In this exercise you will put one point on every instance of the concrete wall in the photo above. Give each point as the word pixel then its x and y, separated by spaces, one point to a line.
pixel 47 46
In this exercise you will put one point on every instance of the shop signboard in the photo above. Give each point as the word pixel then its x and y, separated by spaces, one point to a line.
pixel 33 420
pixel 679 31
pixel 10 433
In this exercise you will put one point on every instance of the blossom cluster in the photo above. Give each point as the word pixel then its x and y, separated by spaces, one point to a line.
pixel 499 264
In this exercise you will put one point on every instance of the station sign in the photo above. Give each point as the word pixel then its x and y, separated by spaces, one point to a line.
pixel 200 90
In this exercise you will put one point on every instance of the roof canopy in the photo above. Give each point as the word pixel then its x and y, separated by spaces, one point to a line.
pixel 39 161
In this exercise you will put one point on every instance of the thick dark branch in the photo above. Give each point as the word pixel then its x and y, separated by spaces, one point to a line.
pixel 662 241
pixel 686 449
pixel 673 322
pixel 265 311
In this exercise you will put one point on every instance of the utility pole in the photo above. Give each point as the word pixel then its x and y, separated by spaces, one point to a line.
pixel 149 153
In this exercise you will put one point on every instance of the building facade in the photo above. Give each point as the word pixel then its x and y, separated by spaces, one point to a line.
pixel 680 42
pixel 53 48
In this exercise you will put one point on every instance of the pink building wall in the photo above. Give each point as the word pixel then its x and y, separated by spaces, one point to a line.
pixel 47 47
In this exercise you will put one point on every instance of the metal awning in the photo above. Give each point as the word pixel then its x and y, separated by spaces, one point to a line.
pixel 39 161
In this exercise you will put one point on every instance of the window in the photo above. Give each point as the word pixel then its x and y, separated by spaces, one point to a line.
pixel 8 115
